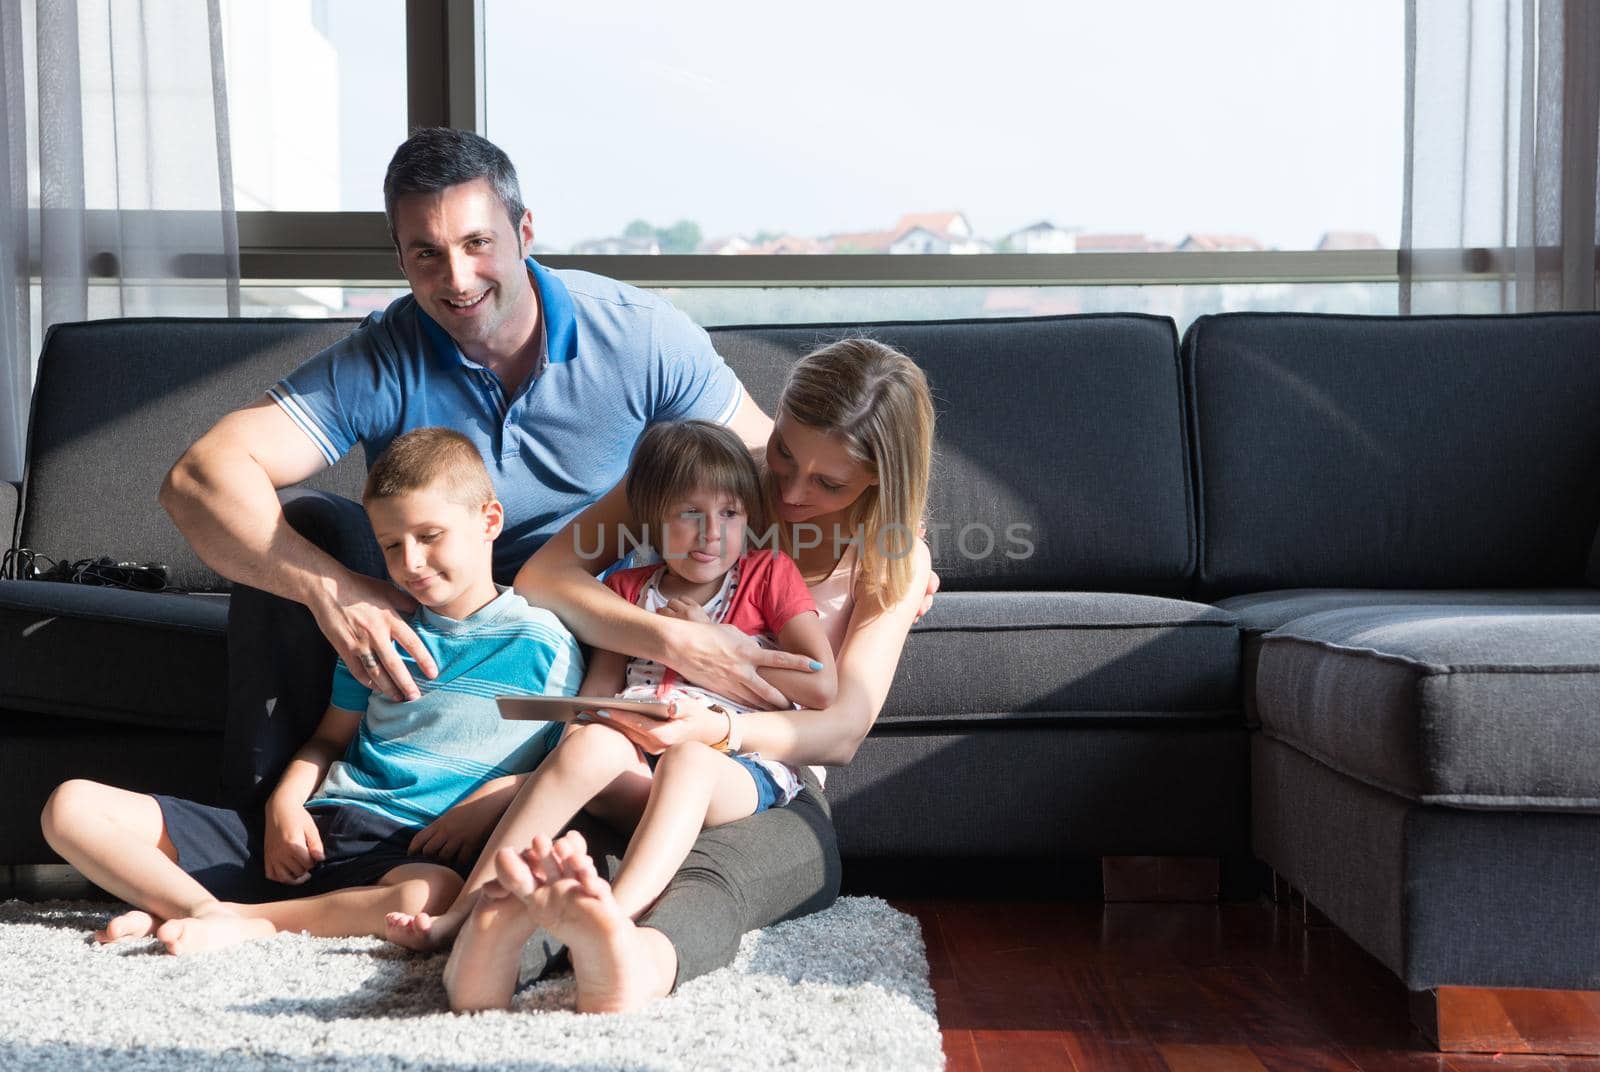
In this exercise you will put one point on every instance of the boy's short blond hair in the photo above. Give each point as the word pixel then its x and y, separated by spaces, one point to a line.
pixel 430 458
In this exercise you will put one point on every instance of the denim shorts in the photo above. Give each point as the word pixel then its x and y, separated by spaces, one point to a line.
pixel 767 791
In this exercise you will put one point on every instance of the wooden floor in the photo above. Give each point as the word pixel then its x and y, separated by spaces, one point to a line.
pixel 1063 985
pixel 1186 988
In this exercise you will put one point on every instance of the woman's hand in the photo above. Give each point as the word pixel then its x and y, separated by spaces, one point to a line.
pixel 724 660
pixel 687 720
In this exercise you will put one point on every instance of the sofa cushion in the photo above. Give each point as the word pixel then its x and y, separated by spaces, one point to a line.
pixel 1259 613
pixel 989 657
pixel 136 658
pixel 1394 452
pixel 1068 428
pixel 1474 706
pixel 118 401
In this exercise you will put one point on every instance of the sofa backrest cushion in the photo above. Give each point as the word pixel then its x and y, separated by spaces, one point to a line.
pixel 1394 452
pixel 1063 433
pixel 116 403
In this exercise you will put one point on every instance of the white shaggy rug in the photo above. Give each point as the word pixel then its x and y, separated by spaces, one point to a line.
pixel 845 988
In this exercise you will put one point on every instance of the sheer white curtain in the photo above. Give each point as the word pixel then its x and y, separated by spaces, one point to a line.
pixel 1502 145
pixel 119 199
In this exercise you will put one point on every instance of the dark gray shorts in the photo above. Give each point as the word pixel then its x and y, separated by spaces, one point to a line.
pixel 222 850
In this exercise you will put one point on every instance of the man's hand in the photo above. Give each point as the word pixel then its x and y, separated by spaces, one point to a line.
pixel 725 660
pixel 363 618
pixel 459 834
pixel 292 844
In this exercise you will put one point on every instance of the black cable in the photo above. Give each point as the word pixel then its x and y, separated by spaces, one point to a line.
pixel 25 564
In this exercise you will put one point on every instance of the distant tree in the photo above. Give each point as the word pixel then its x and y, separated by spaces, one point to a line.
pixel 639 229
pixel 681 237
pixel 765 236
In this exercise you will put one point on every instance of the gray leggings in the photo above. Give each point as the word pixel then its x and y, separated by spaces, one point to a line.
pixel 774 866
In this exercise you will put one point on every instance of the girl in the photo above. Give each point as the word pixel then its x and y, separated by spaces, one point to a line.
pixel 847 467
pixel 697 490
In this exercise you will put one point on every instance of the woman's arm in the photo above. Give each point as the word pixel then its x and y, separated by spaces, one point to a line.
pixel 561 577
pixel 865 664
pixel 607 673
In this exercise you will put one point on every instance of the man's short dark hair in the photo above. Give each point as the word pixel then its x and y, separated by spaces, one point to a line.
pixel 436 158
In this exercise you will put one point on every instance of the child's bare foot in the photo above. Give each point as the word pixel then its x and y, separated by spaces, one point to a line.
pixel 215 928
pixel 423 932
pixel 618 965
pixel 134 924
pixel 482 970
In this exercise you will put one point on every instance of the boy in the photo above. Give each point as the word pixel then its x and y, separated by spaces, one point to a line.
pixel 420 784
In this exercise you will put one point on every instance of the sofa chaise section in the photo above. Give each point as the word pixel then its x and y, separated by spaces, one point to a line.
pixel 1402 513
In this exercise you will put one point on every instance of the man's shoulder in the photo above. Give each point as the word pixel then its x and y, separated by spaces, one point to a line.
pixel 598 293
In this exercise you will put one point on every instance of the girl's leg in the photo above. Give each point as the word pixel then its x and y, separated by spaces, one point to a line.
pixel 556 887
pixel 778 865
pixel 695 788
pixel 618 966
pixel 591 761
pixel 355 912
pixel 118 840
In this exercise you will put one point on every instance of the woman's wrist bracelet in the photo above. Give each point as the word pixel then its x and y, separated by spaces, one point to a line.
pixel 730 740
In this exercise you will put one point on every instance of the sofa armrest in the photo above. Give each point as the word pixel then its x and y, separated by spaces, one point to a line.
pixel 10 498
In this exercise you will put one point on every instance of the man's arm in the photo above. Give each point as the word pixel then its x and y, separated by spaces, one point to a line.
pixel 222 495
pixel 750 422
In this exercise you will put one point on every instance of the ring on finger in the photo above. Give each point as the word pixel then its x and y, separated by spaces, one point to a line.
pixel 369 660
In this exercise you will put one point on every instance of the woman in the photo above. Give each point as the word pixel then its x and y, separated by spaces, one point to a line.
pixel 846 475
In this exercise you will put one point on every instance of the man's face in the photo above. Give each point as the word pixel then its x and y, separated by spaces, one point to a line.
pixel 464 262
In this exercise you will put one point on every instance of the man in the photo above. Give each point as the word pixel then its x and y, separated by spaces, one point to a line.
pixel 553 375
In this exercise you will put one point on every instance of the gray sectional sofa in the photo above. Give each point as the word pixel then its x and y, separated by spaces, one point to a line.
pixel 1314 590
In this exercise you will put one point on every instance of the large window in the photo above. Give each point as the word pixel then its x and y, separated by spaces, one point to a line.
pixel 1152 156
pixel 316 101
pixel 1012 126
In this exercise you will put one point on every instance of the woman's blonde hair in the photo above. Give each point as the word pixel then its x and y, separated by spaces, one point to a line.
pixel 876 400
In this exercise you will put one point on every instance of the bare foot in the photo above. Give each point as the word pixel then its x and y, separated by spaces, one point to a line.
pixel 618 965
pixel 482 970
pixel 134 924
pixel 423 932
pixel 218 928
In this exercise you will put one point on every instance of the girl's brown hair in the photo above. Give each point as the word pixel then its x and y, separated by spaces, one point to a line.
pixel 674 460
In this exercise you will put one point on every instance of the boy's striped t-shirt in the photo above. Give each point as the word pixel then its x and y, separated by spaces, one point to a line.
pixel 413 761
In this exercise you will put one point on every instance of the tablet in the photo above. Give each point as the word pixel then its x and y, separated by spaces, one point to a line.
pixel 567 708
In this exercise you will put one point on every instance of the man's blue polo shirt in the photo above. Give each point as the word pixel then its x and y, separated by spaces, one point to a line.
pixel 617 359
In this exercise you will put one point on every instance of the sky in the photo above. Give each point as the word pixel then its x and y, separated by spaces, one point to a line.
pixel 1279 120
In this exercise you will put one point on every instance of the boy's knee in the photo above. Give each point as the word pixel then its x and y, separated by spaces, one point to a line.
pixel 67 803
pixel 432 895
